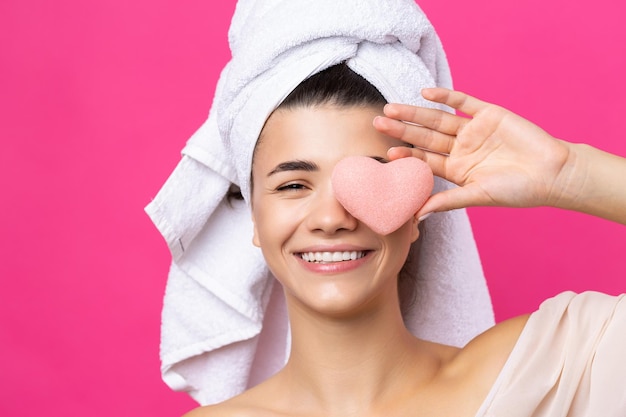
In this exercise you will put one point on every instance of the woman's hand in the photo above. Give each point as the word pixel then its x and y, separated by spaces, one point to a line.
pixel 496 157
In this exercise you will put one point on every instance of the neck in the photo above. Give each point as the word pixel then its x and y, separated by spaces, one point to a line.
pixel 357 363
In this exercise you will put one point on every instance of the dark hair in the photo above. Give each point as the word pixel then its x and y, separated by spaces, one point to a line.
pixel 337 85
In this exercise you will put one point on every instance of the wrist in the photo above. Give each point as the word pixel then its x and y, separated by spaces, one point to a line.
pixel 565 189
pixel 591 182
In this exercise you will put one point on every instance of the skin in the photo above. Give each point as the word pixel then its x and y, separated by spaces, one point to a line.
pixel 351 354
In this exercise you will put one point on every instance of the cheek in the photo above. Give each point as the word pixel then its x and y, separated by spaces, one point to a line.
pixel 272 233
pixel 273 224
pixel 404 237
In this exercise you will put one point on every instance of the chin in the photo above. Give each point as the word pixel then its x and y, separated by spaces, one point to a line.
pixel 338 305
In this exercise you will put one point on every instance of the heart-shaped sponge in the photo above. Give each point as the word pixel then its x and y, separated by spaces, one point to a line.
pixel 382 195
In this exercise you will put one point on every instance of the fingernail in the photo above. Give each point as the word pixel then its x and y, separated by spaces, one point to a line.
pixel 424 217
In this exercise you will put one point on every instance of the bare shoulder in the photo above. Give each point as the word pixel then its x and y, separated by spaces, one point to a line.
pixel 488 352
pixel 501 338
pixel 468 374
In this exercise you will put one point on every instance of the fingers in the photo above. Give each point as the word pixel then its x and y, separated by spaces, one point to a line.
pixel 455 99
pixel 437 162
pixel 418 136
pixel 434 119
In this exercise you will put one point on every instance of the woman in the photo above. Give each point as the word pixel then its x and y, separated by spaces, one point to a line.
pixel 351 353
pixel 225 325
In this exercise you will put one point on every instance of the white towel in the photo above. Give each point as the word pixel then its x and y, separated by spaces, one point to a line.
pixel 224 323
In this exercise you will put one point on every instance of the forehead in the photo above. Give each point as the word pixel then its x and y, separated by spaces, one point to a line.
pixel 325 130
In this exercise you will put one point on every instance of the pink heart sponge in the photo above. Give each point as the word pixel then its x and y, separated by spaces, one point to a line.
pixel 384 196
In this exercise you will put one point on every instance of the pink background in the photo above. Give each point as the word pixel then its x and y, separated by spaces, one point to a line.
pixel 98 98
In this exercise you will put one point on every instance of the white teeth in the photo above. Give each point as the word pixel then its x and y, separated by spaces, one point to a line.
pixel 331 256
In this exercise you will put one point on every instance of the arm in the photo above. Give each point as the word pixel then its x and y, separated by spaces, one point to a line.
pixel 501 159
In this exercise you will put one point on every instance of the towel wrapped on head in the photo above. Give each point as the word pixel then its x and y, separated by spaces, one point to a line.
pixel 224 321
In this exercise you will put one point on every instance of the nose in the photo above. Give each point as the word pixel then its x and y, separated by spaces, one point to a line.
pixel 328 215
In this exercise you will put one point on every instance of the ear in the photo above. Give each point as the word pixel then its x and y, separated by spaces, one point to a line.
pixel 415 230
pixel 255 233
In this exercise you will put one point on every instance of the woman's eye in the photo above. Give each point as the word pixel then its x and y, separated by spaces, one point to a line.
pixel 291 187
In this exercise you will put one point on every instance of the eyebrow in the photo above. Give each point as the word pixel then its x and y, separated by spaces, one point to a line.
pixel 297 165
pixel 300 165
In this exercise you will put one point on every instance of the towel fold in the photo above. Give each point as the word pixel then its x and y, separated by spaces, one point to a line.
pixel 224 321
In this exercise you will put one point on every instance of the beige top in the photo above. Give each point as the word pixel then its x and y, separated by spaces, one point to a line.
pixel 570 360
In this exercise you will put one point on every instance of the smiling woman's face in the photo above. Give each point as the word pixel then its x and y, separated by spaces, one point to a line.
pixel 325 258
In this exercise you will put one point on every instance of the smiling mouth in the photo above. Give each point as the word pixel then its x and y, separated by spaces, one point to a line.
pixel 328 257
